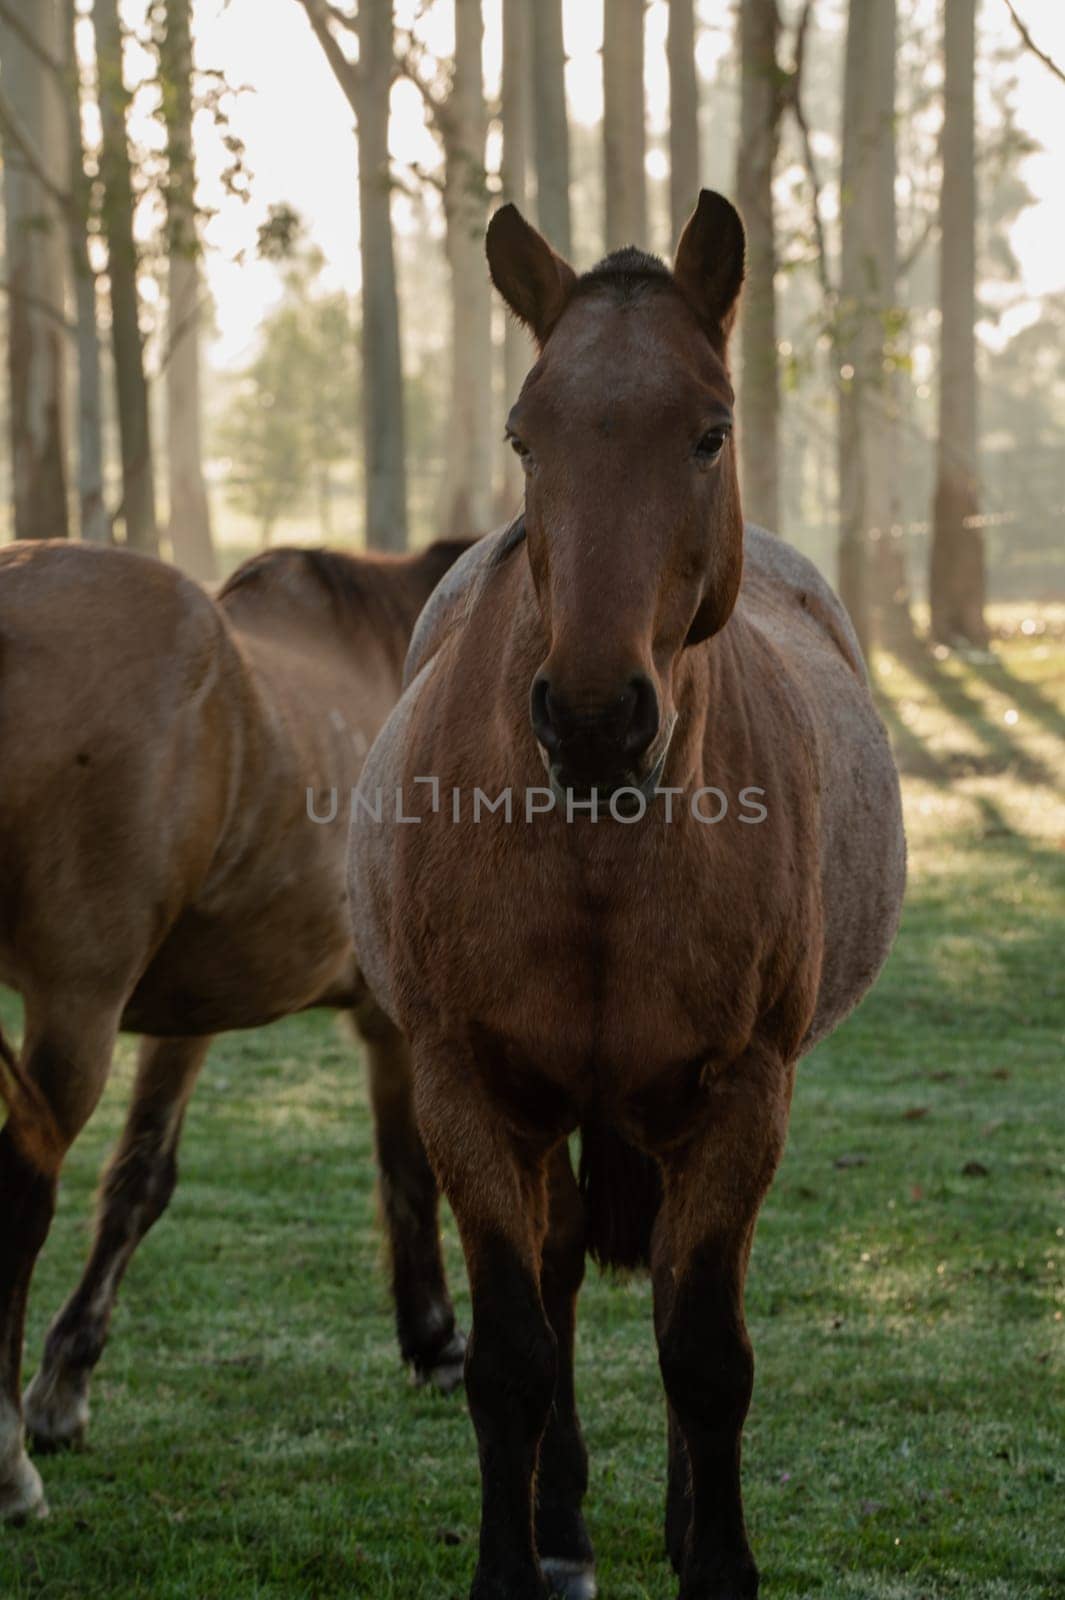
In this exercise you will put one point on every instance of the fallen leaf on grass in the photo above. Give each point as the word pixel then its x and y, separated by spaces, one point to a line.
pixel 975 1169
pixel 915 1113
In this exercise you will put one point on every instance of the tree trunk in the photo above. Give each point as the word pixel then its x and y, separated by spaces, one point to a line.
pixel 872 567
pixel 190 519
pixel 517 85
pixel 383 422
pixel 138 488
pixel 551 125
pixel 35 243
pixel 683 114
pixel 95 525
pixel 468 485
pixel 624 124
pixel 957 583
pixel 760 110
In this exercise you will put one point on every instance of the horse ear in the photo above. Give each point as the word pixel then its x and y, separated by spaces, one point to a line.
pixel 533 280
pixel 709 262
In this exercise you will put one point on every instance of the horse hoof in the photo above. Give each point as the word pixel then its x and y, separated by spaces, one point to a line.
pixel 448 1369
pixel 55 1420
pixel 572 1580
pixel 22 1494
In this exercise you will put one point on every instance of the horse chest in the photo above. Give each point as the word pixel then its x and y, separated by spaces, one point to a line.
pixel 609 963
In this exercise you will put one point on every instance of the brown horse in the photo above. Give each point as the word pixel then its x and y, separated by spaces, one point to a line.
pixel 650 973
pixel 164 868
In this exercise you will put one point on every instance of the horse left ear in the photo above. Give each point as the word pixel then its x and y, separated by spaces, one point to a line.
pixel 534 281
pixel 709 263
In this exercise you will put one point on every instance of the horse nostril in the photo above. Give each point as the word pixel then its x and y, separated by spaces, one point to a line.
pixel 643 717
pixel 540 715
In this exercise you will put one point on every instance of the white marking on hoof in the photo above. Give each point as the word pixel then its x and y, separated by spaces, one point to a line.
pixel 56 1411
pixel 449 1372
pixel 572 1580
pixel 22 1493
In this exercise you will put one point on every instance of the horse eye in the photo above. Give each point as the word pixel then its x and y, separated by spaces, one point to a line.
pixel 711 445
pixel 520 450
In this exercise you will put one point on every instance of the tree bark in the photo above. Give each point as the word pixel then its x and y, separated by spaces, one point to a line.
pixel 463 124
pixel 517 86
pixel 383 421
pixel 138 487
pixel 872 566
pixel 957 580
pixel 624 135
pixel 551 125
pixel 683 114
pixel 190 518
pixel 367 86
pixel 36 280
pixel 761 104
pixel 94 522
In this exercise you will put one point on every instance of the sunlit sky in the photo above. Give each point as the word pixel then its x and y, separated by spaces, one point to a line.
pixel 298 132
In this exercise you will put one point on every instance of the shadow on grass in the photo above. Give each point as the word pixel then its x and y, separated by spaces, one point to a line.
pixel 1004 753
pixel 1027 696
pixel 916 759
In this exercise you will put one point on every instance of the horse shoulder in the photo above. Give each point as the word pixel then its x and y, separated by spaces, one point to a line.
pixel 777 575
pixel 454 596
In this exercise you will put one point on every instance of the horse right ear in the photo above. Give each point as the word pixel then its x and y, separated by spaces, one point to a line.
pixel 709 264
pixel 533 280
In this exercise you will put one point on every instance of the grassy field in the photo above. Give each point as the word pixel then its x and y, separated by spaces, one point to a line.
pixel 253 1434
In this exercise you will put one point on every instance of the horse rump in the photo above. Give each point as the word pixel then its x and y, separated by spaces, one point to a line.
pixel 622 1191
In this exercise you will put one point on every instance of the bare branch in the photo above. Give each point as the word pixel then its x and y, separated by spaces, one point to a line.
pixel 425 178
pixel 346 72
pixel 30 40
pixel 183 327
pixel 343 18
pixel 1030 44
pixel 410 64
pixel 918 243
pixel 39 303
pixel 15 132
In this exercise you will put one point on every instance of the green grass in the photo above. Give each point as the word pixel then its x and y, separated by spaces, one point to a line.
pixel 252 1432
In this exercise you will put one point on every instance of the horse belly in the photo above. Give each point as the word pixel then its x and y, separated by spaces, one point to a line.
pixel 863 863
pixel 259 961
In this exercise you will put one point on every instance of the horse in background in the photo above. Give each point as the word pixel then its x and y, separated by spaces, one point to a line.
pixel 615 952
pixel 165 754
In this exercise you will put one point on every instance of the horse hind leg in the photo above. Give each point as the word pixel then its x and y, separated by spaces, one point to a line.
pixel 429 1342
pixel 135 1190
pixel 50 1093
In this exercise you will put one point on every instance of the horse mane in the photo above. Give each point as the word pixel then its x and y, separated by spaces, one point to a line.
pixel 512 537
pixel 379 590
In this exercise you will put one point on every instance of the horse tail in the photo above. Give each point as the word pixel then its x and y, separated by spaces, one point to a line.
pixel 622 1190
pixel 30 1117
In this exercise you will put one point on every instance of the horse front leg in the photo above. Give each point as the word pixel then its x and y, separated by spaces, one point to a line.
pixel 566 1555
pixel 495 1181
pixel 135 1190
pixel 713 1187
pixel 429 1342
